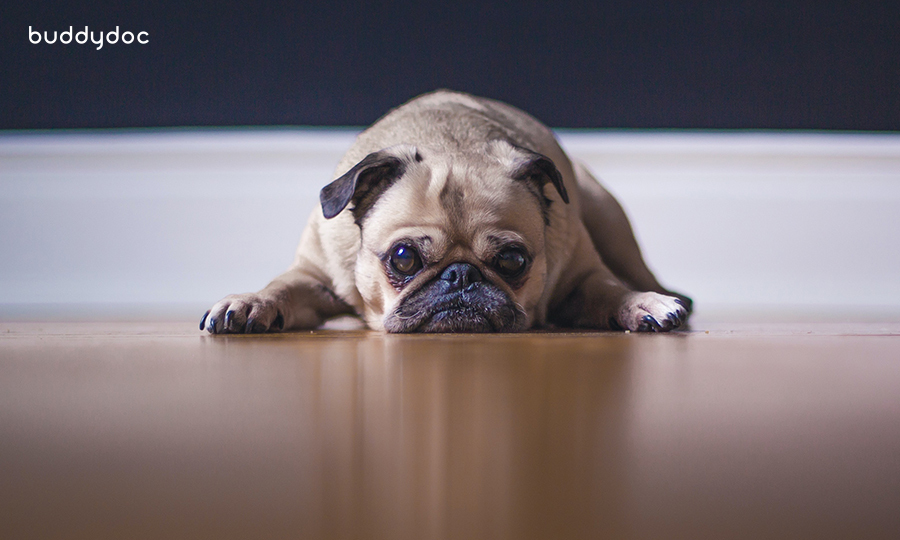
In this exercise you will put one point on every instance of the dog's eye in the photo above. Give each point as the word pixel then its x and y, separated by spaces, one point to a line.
pixel 510 263
pixel 405 260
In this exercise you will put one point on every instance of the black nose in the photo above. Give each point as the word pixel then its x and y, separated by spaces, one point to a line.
pixel 461 275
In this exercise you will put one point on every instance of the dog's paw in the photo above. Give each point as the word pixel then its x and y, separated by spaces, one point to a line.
pixel 243 313
pixel 651 312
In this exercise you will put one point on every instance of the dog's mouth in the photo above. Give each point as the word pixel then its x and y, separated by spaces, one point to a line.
pixel 484 308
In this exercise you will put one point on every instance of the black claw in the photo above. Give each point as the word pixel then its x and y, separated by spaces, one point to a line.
pixel 675 318
pixel 248 327
pixel 203 320
pixel 211 326
pixel 229 315
pixel 687 304
pixel 649 324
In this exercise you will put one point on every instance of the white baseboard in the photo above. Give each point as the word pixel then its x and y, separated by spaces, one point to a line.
pixel 187 216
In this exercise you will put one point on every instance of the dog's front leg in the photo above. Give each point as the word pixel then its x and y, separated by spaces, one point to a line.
pixel 600 301
pixel 293 300
pixel 595 298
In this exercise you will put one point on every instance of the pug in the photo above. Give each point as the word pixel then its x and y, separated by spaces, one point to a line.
pixel 456 213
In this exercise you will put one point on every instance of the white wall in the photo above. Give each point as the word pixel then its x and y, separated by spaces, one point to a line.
pixel 186 216
pixel 764 219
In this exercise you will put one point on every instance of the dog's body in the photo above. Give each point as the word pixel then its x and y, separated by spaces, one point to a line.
pixel 458 213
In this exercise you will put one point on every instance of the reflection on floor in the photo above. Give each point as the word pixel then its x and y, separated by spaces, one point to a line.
pixel 731 430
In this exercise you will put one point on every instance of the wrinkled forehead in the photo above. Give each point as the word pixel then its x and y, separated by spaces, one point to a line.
pixel 462 203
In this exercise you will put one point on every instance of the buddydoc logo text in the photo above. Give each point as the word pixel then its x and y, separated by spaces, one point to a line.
pixel 82 36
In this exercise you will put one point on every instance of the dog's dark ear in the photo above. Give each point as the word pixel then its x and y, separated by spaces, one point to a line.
pixel 539 169
pixel 362 184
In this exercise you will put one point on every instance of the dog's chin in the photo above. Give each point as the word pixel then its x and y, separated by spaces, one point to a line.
pixel 484 308
pixel 458 320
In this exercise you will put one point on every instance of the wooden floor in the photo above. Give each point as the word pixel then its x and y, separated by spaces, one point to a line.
pixel 731 430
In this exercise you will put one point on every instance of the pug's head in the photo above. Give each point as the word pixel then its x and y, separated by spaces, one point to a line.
pixel 451 241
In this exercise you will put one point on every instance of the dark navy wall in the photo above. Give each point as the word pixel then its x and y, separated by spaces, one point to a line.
pixel 633 64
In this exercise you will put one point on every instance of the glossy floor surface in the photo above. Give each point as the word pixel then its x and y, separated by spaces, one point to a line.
pixel 153 430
